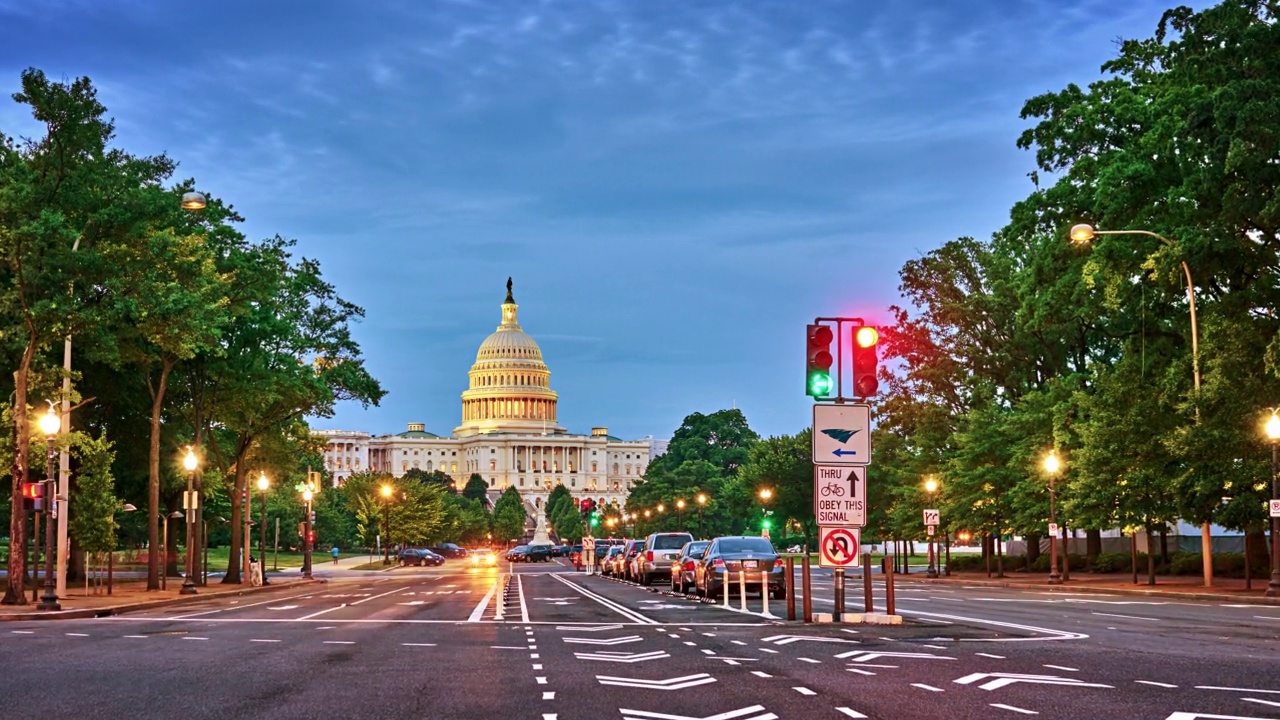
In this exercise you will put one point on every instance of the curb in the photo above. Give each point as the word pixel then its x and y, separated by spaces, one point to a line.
pixel 109 610
pixel 1067 587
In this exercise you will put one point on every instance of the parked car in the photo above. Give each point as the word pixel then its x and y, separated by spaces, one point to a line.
pixel 605 564
pixel 632 564
pixel 449 550
pixel 559 550
pixel 538 553
pixel 411 556
pixel 519 553
pixel 728 558
pixel 624 558
pixel 660 550
pixel 683 567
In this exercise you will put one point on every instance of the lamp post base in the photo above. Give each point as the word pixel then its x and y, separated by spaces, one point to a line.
pixel 932 572
pixel 188 587
pixel 1273 587
pixel 1055 578
pixel 49 600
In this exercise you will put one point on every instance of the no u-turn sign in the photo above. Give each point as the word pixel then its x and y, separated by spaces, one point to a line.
pixel 838 547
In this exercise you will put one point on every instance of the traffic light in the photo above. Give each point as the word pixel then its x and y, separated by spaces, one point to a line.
pixel 595 519
pixel 865 383
pixel 766 523
pixel 817 375
pixel 587 507
pixel 33 496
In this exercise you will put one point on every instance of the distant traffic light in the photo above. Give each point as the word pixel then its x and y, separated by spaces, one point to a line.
pixel 817 374
pixel 766 523
pixel 865 383
pixel 587 507
pixel 33 496
pixel 595 519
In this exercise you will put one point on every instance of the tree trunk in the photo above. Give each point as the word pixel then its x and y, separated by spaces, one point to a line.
pixel 1092 546
pixel 14 593
pixel 1033 548
pixel 1151 560
pixel 153 481
pixel 237 529
pixel 999 556
pixel 1164 545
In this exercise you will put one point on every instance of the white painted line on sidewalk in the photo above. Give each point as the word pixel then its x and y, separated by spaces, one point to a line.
pixel 1157 684
pixel 930 688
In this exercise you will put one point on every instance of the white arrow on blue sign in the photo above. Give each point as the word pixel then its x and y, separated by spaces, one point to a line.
pixel 842 434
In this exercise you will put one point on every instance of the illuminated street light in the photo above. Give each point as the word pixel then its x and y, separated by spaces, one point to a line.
pixel 1273 434
pixel 1051 466
pixel 50 424
pixel 190 463
pixel 931 487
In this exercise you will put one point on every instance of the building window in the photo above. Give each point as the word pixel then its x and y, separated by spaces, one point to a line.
pixel 628 468
pixel 455 467
pixel 493 465
pixel 615 468
pixel 593 466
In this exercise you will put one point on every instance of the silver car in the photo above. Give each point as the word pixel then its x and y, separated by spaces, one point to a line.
pixel 660 550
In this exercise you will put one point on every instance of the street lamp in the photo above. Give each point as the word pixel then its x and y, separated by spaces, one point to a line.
pixel 50 424
pixel 192 200
pixel 702 500
pixel 190 462
pixel 306 540
pixel 633 523
pixel 263 484
pixel 1083 233
pixel 765 496
pixel 1273 434
pixel 680 514
pixel 931 487
pixel 1051 466
pixel 386 524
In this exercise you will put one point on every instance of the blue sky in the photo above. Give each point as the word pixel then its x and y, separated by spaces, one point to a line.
pixel 677 188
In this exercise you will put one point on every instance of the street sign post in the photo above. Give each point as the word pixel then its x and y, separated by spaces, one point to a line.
pixel 838 547
pixel 842 434
pixel 1053 529
pixel 840 495
pixel 932 517
pixel 1275 508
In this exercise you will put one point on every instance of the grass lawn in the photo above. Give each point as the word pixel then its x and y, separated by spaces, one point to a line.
pixel 218 558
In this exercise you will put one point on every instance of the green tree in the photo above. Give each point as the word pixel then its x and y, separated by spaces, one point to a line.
pixel 93 524
pixel 566 520
pixel 508 516
pixel 784 466
pixel 433 477
pixel 476 488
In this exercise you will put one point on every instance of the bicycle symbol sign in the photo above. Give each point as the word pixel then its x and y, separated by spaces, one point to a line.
pixel 840 495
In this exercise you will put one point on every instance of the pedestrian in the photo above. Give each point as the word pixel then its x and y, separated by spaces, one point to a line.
pixel 334 552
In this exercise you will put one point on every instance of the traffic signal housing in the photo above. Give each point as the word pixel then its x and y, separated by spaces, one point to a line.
pixel 33 496
pixel 817 374
pixel 865 360
pixel 587 508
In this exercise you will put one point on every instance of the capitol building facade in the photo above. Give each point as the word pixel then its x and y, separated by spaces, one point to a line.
pixel 508 435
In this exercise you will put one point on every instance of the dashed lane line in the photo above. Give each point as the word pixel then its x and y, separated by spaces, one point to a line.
pixel 804 691
pixel 849 712
pixel 1024 711
pixel 1156 684
pixel 232 607
pixel 1063 667
pixel 930 688
pixel 1233 689
pixel 263 640
pixel 860 671
pixel 1270 703
pixel 989 655
pixel 1127 617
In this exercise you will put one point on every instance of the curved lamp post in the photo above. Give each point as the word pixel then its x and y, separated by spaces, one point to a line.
pixel 50 424
pixel 1052 466
pixel 190 463
pixel 1273 434
pixel 1084 233
pixel 930 488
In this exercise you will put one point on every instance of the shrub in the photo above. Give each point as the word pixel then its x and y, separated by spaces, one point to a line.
pixel 1115 562
pixel 963 563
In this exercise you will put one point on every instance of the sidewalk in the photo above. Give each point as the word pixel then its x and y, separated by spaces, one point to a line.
pixel 1186 587
pixel 133 595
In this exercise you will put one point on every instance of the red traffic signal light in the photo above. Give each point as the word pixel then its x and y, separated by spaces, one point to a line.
pixel 817 373
pixel 32 490
pixel 865 360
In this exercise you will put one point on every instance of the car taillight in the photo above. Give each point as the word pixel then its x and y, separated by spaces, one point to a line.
pixel 778 563
pixel 718 563
pixel 689 566
pixel 649 556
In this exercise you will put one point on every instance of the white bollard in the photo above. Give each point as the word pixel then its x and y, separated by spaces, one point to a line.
pixel 726 588
pixel 498 593
pixel 742 588
pixel 764 592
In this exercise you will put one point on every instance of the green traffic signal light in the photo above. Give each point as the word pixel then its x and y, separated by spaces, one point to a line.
pixel 766 523
pixel 595 520
pixel 819 383
pixel 818 361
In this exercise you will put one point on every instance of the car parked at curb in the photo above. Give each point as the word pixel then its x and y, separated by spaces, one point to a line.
pixel 749 558
pixel 660 549
pixel 685 565
pixel 419 558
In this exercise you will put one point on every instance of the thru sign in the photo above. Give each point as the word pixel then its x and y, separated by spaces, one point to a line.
pixel 840 495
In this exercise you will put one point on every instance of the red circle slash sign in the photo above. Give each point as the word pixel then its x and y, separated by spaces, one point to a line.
pixel 840 547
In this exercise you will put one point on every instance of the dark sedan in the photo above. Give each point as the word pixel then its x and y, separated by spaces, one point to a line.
pixel 752 559
pixel 519 553
pixel 684 567
pixel 410 556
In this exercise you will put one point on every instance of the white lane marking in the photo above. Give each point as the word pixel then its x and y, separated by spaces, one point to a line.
pixel 771 651
pixel 24 632
pixel 508 647
pixel 549 695
pixel 260 640
pixel 859 671
pixel 848 712
pixel 137 637
pixel 709 634
pixel 484 603
pixel 76 634
pixel 1266 617
pixel 339 642
pixel 191 637
pixel 674 635
pixel 524 609
pixel 804 691
pixel 537 666
pixel 314 614
pixel 930 688
pixel 588 628
pixel 1127 617
pixel 1002 706
pixel 1272 703
pixel 283 607
pixel 623 611
pixel 1063 667
pixel 548 716
pixel 237 607
pixel 1157 684
pixel 709 652
pixel 747 713
pixel 1053 634
pixel 737 642
pixel 677 683
pixel 761 673
pixel 418 644
pixel 1244 690
pixel 604 641
pixel 540 680
pixel 534 656
pixel 375 597
pixel 690 644
pixel 810 660
pixel 989 655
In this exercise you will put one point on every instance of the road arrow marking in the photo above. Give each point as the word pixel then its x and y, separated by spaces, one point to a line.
pixel 999 680
pixel 622 657
pixel 861 656
pixel 604 641
pixel 755 712
pixel 788 639
pixel 679 683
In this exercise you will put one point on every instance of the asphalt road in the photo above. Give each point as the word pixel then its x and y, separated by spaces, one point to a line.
pixel 545 643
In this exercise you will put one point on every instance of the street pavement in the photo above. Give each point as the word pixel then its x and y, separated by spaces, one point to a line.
pixel 546 643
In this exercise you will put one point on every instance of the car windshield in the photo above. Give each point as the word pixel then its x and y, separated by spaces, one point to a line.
pixel 696 549
pixel 520 548
pixel 737 545
pixel 670 542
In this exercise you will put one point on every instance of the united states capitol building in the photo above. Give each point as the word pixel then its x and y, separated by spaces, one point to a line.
pixel 508 435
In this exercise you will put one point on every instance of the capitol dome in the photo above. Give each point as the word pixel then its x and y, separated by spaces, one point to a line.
pixel 509 387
